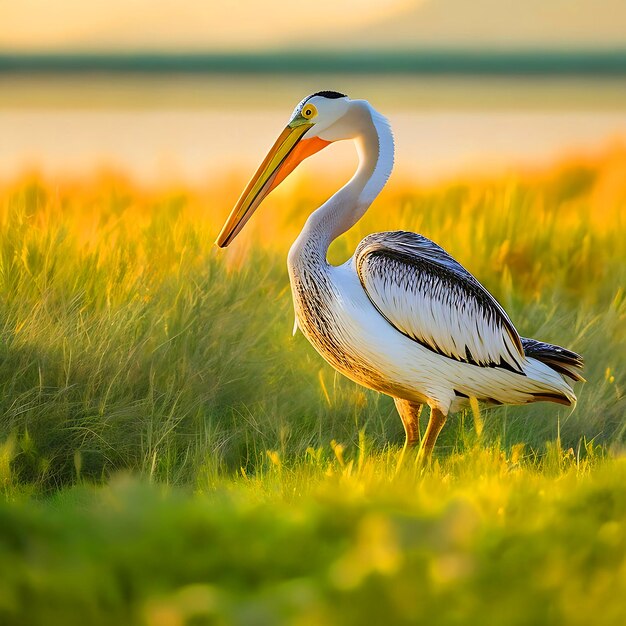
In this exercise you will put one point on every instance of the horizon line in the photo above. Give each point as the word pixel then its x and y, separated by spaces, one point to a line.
pixel 514 61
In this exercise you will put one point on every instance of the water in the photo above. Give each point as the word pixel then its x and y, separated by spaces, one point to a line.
pixel 197 129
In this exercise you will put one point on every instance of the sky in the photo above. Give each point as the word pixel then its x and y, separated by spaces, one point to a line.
pixel 231 25
pixel 182 24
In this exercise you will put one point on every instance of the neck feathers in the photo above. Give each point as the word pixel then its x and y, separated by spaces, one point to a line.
pixel 379 153
pixel 375 147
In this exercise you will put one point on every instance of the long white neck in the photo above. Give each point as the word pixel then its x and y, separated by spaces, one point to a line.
pixel 374 143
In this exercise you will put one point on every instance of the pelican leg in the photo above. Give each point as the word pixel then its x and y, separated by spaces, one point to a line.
pixel 435 424
pixel 410 415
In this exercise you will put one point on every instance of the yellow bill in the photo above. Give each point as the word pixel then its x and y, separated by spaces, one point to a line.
pixel 289 150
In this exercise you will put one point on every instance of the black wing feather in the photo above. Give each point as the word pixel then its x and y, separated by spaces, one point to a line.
pixel 428 296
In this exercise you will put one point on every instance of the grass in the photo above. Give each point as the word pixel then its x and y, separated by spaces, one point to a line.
pixel 484 538
pixel 171 455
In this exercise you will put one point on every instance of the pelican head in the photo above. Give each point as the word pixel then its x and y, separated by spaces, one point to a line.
pixel 314 124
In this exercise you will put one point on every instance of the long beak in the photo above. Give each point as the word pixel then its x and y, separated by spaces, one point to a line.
pixel 289 150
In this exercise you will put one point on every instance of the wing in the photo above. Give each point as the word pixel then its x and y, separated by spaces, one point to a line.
pixel 431 298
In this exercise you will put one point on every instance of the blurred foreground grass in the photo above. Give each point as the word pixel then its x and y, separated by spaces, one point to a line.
pixel 264 486
pixel 485 538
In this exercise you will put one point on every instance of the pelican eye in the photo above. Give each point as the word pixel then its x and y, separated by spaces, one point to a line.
pixel 308 111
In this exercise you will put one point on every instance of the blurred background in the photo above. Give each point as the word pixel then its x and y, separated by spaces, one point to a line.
pixel 188 91
pixel 129 344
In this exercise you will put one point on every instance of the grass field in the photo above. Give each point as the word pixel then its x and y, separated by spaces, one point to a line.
pixel 172 455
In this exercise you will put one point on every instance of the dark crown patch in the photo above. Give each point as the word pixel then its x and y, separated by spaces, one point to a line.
pixel 332 95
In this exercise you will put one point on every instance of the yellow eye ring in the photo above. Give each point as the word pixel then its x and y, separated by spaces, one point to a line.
pixel 308 111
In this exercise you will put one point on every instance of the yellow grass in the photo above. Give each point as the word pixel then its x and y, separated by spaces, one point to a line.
pixel 130 344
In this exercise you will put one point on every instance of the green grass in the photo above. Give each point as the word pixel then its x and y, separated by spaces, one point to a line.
pixel 172 455
pixel 481 539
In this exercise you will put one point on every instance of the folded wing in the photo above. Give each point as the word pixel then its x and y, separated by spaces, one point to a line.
pixel 431 298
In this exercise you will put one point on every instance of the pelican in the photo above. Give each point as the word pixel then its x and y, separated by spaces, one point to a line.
pixel 401 316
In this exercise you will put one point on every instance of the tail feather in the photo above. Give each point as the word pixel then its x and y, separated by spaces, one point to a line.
pixel 559 359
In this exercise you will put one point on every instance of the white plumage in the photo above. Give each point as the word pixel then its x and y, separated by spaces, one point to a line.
pixel 428 296
pixel 402 316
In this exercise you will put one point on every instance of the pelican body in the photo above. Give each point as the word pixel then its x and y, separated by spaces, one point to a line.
pixel 401 316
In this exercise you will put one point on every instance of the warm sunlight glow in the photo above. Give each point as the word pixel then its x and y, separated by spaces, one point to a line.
pixel 282 397
pixel 186 24
pixel 30 25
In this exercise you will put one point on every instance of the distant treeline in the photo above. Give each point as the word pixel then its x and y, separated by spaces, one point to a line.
pixel 573 63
